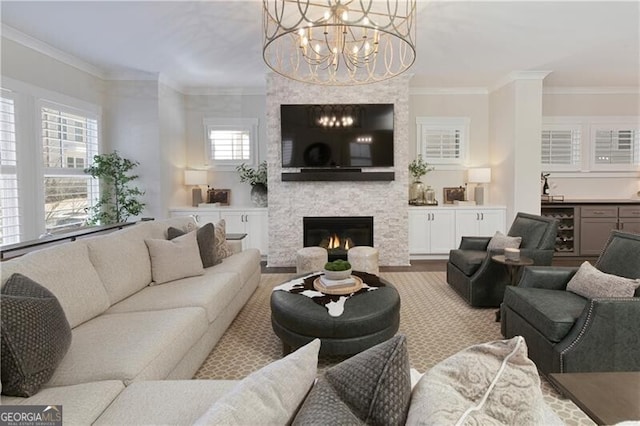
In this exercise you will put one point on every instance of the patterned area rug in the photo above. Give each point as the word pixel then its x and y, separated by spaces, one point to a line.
pixel 436 321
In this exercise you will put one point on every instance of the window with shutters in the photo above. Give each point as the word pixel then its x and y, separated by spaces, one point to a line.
pixel 231 142
pixel 10 226
pixel 443 140
pixel 560 147
pixel 69 142
pixel 615 147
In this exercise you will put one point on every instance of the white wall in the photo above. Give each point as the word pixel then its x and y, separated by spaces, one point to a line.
pixel 502 134
pixel 222 105
pixel 173 146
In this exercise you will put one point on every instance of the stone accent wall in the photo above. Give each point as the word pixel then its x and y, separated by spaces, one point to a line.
pixel 289 202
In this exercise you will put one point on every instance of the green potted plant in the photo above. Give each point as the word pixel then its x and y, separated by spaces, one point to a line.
pixel 117 199
pixel 338 269
pixel 257 178
pixel 418 168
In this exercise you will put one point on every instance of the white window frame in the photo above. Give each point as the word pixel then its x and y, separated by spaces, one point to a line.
pixel 460 124
pixel 595 127
pixel 249 125
pixel 12 170
pixel 92 149
pixel 576 146
pixel 588 125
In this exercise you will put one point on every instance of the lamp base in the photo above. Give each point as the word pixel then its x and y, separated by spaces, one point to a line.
pixel 481 196
pixel 196 196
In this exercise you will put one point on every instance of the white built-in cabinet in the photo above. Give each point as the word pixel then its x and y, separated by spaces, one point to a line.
pixel 251 221
pixel 431 230
pixel 436 230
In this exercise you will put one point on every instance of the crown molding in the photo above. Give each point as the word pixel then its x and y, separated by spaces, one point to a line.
pixel 13 34
pixel 520 75
pixel 225 91
pixel 448 91
pixel 622 90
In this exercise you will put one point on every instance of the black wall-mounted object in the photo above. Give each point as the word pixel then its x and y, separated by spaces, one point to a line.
pixel 337 175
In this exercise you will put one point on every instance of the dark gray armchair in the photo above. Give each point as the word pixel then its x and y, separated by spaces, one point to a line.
pixel 568 333
pixel 480 280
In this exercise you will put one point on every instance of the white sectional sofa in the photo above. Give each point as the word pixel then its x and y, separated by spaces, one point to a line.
pixel 126 331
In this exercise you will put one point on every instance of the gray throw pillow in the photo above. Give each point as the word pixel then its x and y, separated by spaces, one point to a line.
pixel 591 283
pixel 372 387
pixel 35 336
pixel 500 242
pixel 206 237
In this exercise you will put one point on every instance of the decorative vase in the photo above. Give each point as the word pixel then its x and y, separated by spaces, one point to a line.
pixel 416 193
pixel 259 195
pixel 430 196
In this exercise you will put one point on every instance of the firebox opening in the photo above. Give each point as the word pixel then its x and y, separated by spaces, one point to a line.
pixel 338 233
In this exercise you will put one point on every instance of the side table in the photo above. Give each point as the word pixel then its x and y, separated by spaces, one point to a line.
pixel 513 267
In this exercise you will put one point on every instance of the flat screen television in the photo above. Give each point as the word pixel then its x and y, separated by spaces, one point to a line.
pixel 337 135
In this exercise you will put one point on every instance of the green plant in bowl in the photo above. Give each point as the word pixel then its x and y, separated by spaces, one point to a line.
pixel 337 270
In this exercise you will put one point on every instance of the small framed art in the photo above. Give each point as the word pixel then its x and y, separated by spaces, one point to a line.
pixel 453 194
pixel 222 196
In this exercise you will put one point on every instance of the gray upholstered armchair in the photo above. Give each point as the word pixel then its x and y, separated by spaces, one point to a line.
pixel 481 281
pixel 566 332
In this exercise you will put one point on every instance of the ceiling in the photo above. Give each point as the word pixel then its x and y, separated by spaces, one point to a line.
pixel 476 44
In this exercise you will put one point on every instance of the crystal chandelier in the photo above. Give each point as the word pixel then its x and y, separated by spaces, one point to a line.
pixel 339 42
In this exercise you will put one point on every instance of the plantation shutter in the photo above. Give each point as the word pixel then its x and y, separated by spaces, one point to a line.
pixel 441 143
pixel 442 140
pixel 561 147
pixel 10 227
pixel 230 145
pixel 617 146
pixel 69 142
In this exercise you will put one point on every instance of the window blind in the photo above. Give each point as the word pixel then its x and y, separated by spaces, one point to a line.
pixel 560 147
pixel 443 140
pixel 230 145
pixel 10 227
pixel 441 144
pixel 617 146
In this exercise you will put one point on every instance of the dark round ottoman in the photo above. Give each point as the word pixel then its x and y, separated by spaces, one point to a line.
pixel 369 318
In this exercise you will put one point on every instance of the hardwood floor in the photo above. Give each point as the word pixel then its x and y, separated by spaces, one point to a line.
pixel 431 265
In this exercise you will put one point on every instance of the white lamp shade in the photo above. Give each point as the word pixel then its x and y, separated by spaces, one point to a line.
pixel 479 175
pixel 195 177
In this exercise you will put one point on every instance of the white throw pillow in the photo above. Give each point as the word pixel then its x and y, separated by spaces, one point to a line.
pixel 490 383
pixel 270 395
pixel 500 242
pixel 591 283
pixel 174 259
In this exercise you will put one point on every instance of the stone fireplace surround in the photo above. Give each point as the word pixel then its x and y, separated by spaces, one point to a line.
pixel 386 201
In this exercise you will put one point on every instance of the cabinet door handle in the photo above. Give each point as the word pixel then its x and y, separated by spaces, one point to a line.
pixel 477 216
pixel 431 214
pixel 481 216
pixel 597 212
pixel 197 218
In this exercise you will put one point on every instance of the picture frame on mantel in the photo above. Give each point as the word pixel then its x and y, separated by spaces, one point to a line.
pixel 222 196
pixel 453 194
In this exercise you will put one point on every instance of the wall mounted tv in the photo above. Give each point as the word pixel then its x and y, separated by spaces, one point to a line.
pixel 337 136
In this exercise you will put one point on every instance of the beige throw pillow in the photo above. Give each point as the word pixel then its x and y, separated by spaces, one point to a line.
pixel 270 395
pixel 222 247
pixel 175 259
pixel 591 283
pixel 490 383
pixel 500 242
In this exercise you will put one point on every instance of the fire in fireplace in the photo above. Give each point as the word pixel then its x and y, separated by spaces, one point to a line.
pixel 338 233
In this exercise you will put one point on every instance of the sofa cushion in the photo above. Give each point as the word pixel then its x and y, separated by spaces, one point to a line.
pixel 166 402
pixel 68 273
pixel 468 261
pixel 81 404
pixel 205 235
pixel 35 335
pixel 490 383
pixel 500 242
pixel 270 395
pixel 212 291
pixel 592 283
pixel 174 259
pixel 372 387
pixel 246 263
pixel 551 312
pixel 130 346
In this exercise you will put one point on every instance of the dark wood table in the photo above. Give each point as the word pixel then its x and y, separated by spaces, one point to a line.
pixel 607 398
pixel 513 266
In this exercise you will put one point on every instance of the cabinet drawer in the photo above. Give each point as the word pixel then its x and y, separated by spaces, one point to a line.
pixel 599 211
pixel 629 211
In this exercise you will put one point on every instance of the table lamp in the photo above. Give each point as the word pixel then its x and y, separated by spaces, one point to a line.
pixel 480 176
pixel 196 178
